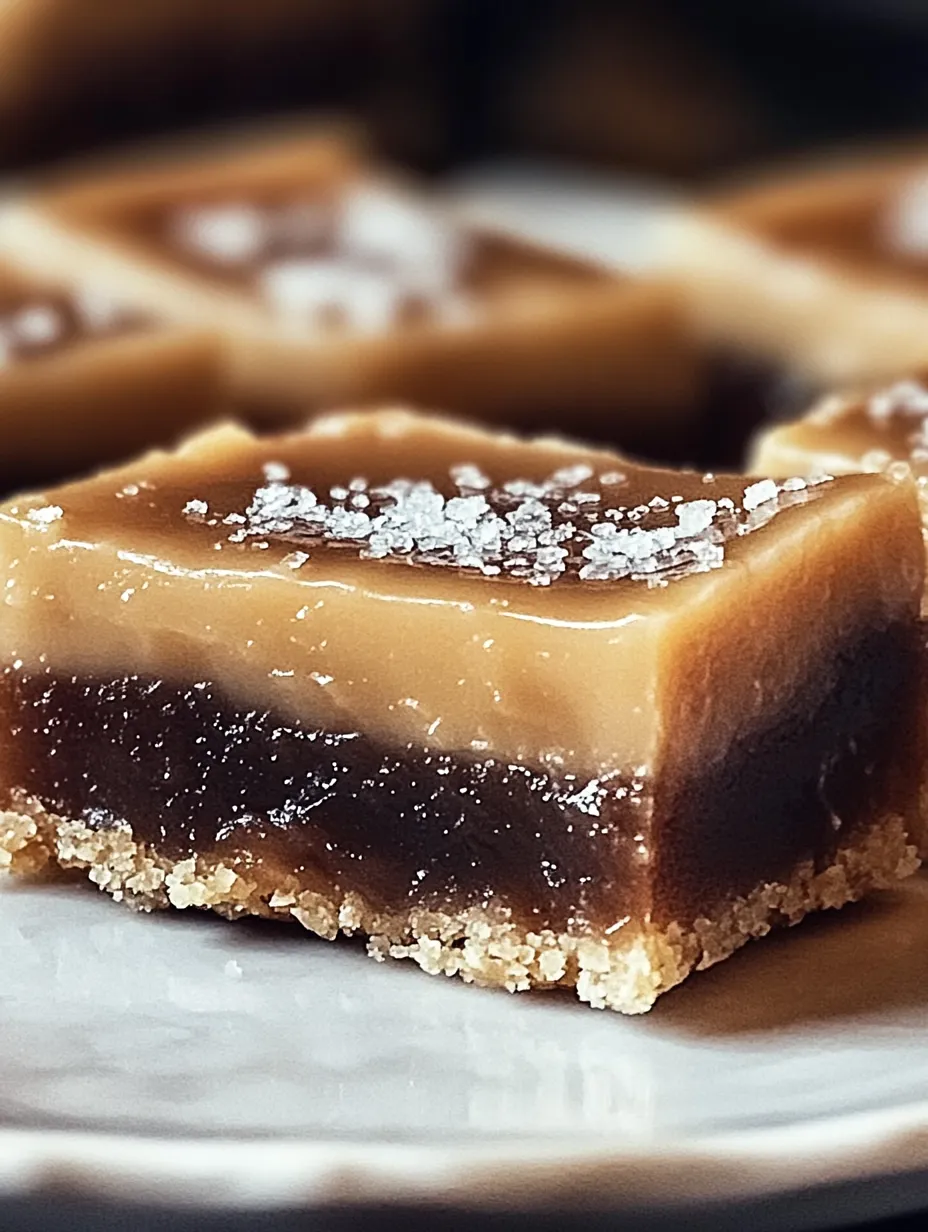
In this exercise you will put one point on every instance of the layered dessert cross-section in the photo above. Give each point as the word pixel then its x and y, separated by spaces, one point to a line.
pixel 336 284
pixel 85 381
pixel 823 269
pixel 523 712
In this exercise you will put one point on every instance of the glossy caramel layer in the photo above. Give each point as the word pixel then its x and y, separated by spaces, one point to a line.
pixel 498 603
pixel 193 775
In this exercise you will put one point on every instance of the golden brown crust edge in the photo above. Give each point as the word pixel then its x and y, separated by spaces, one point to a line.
pixel 625 972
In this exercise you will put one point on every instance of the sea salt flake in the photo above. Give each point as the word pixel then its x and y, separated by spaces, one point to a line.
pixel 757 494
pixel 902 398
pixel 347 524
pixel 469 476
pixel 694 517
pixel 525 488
pixel 227 234
pixel 570 476
pixel 37 325
pixel 468 510
pixel 45 515
pixel 197 508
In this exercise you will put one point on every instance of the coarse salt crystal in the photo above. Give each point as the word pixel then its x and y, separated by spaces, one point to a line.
pixel 695 516
pixel 276 472
pixel 903 398
pixel 45 515
pixel 756 494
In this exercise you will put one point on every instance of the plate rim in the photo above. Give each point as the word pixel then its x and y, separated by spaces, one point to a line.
pixel 241 1172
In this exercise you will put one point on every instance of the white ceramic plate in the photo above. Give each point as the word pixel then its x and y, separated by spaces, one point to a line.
pixel 183 1059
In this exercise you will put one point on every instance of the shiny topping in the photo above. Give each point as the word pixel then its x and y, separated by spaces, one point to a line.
pixel 538 532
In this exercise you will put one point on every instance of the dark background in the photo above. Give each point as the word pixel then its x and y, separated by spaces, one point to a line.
pixel 681 89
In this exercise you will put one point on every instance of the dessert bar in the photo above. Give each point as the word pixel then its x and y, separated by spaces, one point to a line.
pixel 336 284
pixel 523 712
pixel 84 381
pixel 824 269
pixel 884 429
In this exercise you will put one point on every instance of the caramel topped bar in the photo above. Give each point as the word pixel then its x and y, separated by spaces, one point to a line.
pixel 827 269
pixel 334 283
pixel 846 434
pixel 881 430
pixel 85 380
pixel 523 712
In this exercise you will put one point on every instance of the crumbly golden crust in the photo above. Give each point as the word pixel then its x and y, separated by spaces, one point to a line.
pixel 626 971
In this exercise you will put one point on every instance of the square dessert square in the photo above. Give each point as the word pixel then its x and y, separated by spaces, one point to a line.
pixel 336 284
pixel 824 269
pixel 523 712
pixel 865 431
pixel 84 381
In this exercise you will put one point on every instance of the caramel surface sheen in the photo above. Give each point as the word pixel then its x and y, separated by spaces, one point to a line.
pixel 581 674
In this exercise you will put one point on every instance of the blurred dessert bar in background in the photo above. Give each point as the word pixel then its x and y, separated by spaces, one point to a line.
pixel 84 381
pixel 879 430
pixel 612 723
pixel 824 270
pixel 333 282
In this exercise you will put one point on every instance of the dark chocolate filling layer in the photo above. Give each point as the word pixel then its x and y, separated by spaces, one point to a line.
pixel 800 787
pixel 191 773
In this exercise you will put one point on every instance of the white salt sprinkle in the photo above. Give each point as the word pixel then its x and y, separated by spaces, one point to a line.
pixel 523 529
pixel 227 234
pixel 45 515
pixel 756 494
pixel 902 398
pixel 37 325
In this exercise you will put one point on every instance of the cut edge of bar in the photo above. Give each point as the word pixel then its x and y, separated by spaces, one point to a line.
pixel 481 945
